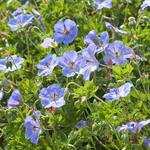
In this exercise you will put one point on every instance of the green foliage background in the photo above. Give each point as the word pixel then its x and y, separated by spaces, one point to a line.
pixel 83 99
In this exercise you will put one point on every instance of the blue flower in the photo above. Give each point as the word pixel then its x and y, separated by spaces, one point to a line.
pixel 145 4
pixel 88 62
pixel 14 99
pixel 146 142
pixel 10 63
pixel 49 43
pixel 2 65
pixel 117 93
pixel 111 27
pixel 126 127
pixel 52 96
pixel 69 63
pixel 33 127
pixel 134 127
pixel 20 21
pixel 65 31
pixel 17 11
pixel 1 93
pixel 99 4
pixel 101 42
pixel 47 65
pixel 118 53
pixel 80 124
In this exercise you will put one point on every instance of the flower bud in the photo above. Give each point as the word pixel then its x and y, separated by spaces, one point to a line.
pixel 132 22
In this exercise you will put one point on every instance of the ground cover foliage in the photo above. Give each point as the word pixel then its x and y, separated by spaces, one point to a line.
pixel 74 74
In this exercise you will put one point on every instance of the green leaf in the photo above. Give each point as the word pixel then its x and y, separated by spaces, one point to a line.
pixel 87 90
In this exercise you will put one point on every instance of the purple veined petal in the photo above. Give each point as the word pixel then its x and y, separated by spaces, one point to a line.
pixel 112 96
pixel 90 37
pixel 69 24
pixel 35 136
pixel 2 65
pixel 104 41
pixel 125 89
pixel 45 102
pixel 122 128
pixel 88 62
pixel 26 19
pixel 140 125
pixel 17 11
pixel 59 37
pixel 68 73
pixel 86 75
pixel 69 38
pixel 108 25
pixel 28 121
pixel 69 57
pixel 146 142
pixel 99 42
pixel 87 70
pixel 48 43
pixel 108 3
pixel 1 94
pixel 25 2
pixel 131 125
pixel 104 37
pixel 80 124
pixel 99 4
pixel 29 130
pixel 56 104
pixel 5 82
pixel 14 99
pixel 145 4
pixel 59 27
